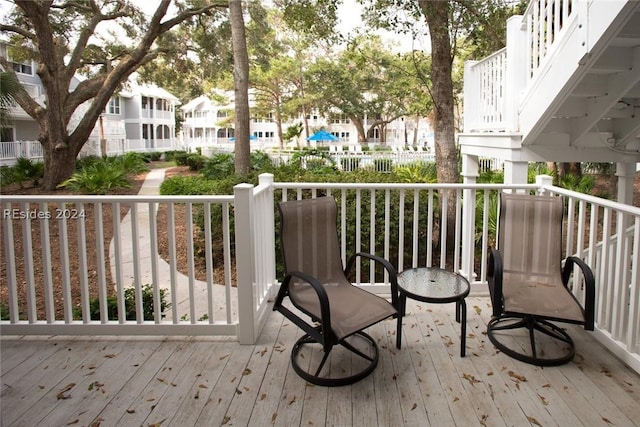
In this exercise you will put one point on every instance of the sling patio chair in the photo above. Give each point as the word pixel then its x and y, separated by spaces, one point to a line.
pixel 331 311
pixel 531 288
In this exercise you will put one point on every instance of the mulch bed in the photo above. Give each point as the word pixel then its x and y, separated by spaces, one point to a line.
pixel 74 213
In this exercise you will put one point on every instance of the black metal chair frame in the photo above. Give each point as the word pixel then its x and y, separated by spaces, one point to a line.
pixel 320 332
pixel 503 320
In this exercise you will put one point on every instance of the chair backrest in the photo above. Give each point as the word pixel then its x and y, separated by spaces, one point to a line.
pixel 530 238
pixel 309 238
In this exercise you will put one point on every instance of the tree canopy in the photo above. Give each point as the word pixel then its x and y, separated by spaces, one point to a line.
pixel 63 38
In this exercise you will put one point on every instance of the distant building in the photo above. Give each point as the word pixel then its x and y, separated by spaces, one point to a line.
pixel 139 118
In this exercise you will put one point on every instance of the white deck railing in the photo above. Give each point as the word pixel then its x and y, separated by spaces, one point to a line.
pixel 495 86
pixel 242 234
pixel 10 151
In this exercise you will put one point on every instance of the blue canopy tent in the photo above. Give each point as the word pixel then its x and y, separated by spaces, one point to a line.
pixel 251 138
pixel 322 135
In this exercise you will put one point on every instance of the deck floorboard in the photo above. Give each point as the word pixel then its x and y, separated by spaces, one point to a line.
pixel 203 381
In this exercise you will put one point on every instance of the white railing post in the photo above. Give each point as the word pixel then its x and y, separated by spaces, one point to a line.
pixel 471 95
pixel 542 181
pixel 243 215
pixel 266 179
pixel 516 71
pixel 470 174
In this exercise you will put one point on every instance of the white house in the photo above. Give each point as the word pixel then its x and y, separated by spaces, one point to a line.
pixel 139 118
pixel 209 124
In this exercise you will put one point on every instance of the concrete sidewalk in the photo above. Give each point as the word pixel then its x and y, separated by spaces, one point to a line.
pixel 201 296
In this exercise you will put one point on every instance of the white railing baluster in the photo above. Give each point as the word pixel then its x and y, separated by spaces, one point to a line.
pixel 444 216
pixel 100 261
pixel 606 292
pixel 620 285
pixel 137 276
pixel 10 260
pixel 633 328
pixel 401 231
pixel 64 260
pixel 457 237
pixel 45 243
pixel 117 245
pixel 153 242
pixel 372 235
pixel 387 223
pixel 190 264
pixel 208 247
pixel 358 235
pixel 173 263
pixel 226 242
pixel 429 262
pixel 27 251
pixel 82 264
pixel 416 225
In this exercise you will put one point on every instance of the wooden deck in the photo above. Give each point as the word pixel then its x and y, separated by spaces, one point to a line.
pixel 59 381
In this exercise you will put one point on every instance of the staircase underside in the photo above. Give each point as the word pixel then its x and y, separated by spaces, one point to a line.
pixel 594 116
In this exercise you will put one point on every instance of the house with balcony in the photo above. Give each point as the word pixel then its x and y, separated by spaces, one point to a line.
pixel 218 355
pixel 208 124
pixel 139 118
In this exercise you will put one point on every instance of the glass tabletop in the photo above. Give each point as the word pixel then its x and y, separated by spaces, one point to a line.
pixel 433 284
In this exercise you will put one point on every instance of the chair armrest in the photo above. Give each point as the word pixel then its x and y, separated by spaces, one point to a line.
pixel 494 279
pixel 589 288
pixel 323 299
pixel 393 275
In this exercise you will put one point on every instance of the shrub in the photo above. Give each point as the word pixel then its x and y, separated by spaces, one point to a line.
pixel 129 304
pixel 181 158
pixel 83 162
pixel 152 157
pixel 219 166
pixel 27 170
pixel 170 156
pixel 187 185
pixel 98 178
pixel 422 172
pixel 581 184
pixel 6 175
pixel 195 161
pixel 131 162
pixel 4 311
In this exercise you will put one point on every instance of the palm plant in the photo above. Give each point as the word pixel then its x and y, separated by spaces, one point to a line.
pixel 9 87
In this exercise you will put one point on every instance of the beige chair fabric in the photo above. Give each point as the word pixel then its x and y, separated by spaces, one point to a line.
pixel 310 245
pixel 530 241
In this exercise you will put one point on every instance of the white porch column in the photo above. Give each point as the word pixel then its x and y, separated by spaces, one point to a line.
pixel 516 77
pixel 515 172
pixel 245 262
pixel 470 175
pixel 626 173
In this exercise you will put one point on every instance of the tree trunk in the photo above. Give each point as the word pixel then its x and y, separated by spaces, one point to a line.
pixel 279 126
pixel 65 160
pixel 241 88
pixel 362 136
pixel 437 16
pixel 436 13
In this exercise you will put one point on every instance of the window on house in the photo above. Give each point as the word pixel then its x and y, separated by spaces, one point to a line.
pixel 22 67
pixel 6 134
pixel 113 107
